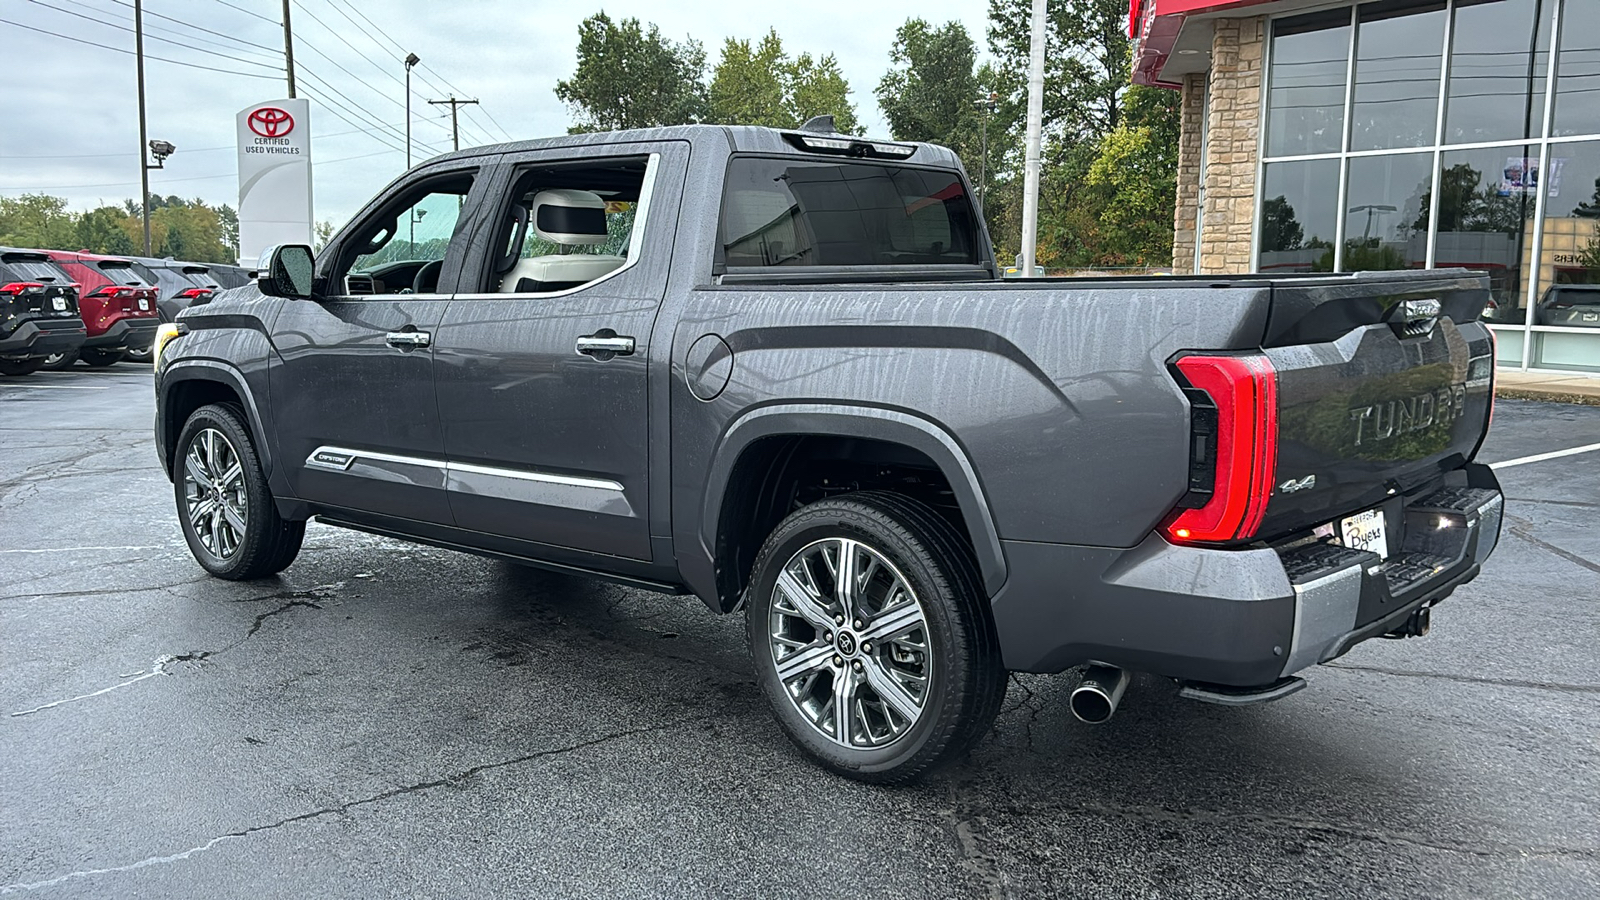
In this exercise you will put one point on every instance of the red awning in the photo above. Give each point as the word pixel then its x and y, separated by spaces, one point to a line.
pixel 1154 25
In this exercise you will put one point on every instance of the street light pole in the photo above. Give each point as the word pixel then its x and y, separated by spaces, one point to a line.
pixel 288 48
pixel 1030 188
pixel 411 60
pixel 988 105
pixel 455 129
pixel 144 165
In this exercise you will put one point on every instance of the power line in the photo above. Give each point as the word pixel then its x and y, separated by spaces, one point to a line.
pixel 187 151
pixel 251 12
pixel 153 37
pixel 276 51
pixel 174 62
pixel 72 187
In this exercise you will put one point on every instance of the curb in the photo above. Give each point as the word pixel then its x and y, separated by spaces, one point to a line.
pixel 1546 396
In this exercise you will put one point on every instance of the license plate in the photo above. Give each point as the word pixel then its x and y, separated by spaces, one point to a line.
pixel 1591 317
pixel 1364 531
pixel 60 303
pixel 144 304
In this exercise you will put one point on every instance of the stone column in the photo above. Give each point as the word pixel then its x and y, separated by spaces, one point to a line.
pixel 1232 144
pixel 1187 213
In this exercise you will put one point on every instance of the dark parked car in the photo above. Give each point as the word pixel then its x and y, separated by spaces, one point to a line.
pixel 38 311
pixel 1569 305
pixel 118 307
pixel 779 370
pixel 231 276
pixel 181 283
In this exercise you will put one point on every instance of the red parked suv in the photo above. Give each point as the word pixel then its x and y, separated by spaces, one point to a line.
pixel 118 307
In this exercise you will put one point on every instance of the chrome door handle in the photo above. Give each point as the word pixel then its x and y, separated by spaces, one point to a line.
pixel 605 346
pixel 408 339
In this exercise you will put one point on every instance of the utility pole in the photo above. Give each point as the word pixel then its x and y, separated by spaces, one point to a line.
pixel 1030 189
pixel 144 165
pixel 455 128
pixel 288 48
pixel 987 105
pixel 411 60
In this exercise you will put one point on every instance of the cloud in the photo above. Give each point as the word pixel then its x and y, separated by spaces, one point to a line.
pixel 69 113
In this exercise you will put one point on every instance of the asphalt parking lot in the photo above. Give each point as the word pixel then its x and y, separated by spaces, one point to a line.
pixel 390 720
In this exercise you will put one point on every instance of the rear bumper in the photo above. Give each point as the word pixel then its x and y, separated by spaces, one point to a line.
pixel 1237 617
pixel 42 337
pixel 126 334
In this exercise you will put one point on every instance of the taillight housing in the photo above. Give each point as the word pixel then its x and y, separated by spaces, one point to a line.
pixel 194 294
pixel 1233 447
pixel 19 287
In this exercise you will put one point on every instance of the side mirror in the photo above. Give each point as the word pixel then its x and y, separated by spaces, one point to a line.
pixel 286 271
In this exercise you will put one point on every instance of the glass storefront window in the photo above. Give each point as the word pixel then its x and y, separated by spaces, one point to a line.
pixel 1299 214
pixel 1578 70
pixel 1569 262
pixel 1399 45
pixel 1305 89
pixel 1499 57
pixel 1486 209
pixel 1386 214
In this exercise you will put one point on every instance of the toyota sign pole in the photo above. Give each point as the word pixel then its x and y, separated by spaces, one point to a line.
pixel 274 176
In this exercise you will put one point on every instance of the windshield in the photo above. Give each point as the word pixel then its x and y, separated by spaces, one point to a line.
pixel 793 212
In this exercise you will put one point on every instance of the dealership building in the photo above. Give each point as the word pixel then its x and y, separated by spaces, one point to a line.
pixel 1400 134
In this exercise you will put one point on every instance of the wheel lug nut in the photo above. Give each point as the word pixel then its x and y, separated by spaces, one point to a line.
pixel 858 624
pixel 838 660
pixel 866 648
pixel 838 620
pixel 858 665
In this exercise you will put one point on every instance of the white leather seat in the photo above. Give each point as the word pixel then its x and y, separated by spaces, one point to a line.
pixel 570 218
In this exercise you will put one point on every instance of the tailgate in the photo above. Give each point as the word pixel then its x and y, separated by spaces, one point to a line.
pixel 1384 383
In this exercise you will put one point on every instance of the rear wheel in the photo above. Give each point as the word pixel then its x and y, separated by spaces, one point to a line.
pixel 56 362
pixel 98 358
pixel 21 366
pixel 871 637
pixel 138 354
pixel 226 509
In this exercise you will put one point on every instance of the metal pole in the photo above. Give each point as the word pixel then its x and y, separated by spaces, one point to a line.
pixel 144 166
pixel 455 130
pixel 288 48
pixel 1030 188
pixel 410 60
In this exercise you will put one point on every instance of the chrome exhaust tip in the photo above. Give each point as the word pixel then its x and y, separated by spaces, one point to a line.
pixel 1095 699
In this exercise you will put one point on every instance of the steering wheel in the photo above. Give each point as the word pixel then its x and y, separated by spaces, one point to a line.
pixel 431 270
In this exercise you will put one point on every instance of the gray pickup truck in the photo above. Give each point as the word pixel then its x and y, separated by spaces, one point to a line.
pixel 779 370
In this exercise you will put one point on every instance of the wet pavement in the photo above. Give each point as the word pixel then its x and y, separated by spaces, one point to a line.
pixel 391 720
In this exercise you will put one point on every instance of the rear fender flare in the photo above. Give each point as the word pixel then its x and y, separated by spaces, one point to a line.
pixel 891 426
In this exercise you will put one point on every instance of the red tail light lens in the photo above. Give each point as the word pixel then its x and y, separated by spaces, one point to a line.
pixel 195 294
pixel 1245 448
pixel 17 287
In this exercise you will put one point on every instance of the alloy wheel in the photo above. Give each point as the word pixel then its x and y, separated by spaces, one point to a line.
pixel 849 638
pixel 214 493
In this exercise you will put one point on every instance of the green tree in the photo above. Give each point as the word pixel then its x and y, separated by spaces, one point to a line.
pixel 39 221
pixel 1087 61
pixel 190 231
pixel 631 77
pixel 324 234
pixel 929 93
pixel 105 230
pixel 1280 230
pixel 816 87
pixel 747 85
pixel 229 217
pixel 1132 186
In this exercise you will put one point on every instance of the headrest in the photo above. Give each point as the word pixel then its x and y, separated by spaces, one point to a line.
pixel 567 216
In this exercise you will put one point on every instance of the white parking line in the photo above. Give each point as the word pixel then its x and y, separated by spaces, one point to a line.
pixel 1541 457
pixel 59 387
pixel 79 549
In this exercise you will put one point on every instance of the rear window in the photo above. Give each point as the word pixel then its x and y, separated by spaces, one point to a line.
pixel 15 267
pixel 791 212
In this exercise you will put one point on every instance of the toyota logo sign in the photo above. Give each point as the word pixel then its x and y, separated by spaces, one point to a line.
pixel 270 122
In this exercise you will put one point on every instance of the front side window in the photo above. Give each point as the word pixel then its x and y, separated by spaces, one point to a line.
pixel 402 250
pixel 792 212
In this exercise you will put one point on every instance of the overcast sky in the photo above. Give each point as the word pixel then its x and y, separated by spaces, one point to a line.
pixel 68 114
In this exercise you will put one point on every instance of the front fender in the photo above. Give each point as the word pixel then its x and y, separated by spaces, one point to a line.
pixel 832 419
pixel 190 370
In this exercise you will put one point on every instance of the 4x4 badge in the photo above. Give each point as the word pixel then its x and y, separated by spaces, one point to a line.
pixel 1294 485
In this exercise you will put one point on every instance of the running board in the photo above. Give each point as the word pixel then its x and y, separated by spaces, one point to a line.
pixel 1227 695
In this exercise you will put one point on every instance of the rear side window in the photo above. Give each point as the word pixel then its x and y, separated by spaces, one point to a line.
pixel 15 267
pixel 791 212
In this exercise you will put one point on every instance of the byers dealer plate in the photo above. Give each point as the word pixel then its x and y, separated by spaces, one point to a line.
pixel 1364 531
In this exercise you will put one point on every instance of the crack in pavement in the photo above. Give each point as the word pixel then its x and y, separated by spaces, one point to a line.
pixel 342 808
pixel 1473 679
pixel 1520 528
pixel 1164 815
pixel 104 591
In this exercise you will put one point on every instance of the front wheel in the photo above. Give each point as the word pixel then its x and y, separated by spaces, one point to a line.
pixel 57 362
pixel 226 509
pixel 871 637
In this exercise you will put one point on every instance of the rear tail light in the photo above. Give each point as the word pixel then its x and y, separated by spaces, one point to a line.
pixel 20 287
pixel 111 290
pixel 1233 449
pixel 194 294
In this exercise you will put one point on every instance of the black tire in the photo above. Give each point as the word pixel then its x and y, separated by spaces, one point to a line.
pixel 269 542
pixel 967 681
pixel 21 366
pixel 98 358
pixel 57 362
pixel 138 354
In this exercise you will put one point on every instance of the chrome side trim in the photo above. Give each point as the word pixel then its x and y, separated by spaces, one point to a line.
pixel 524 475
pixel 340 459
